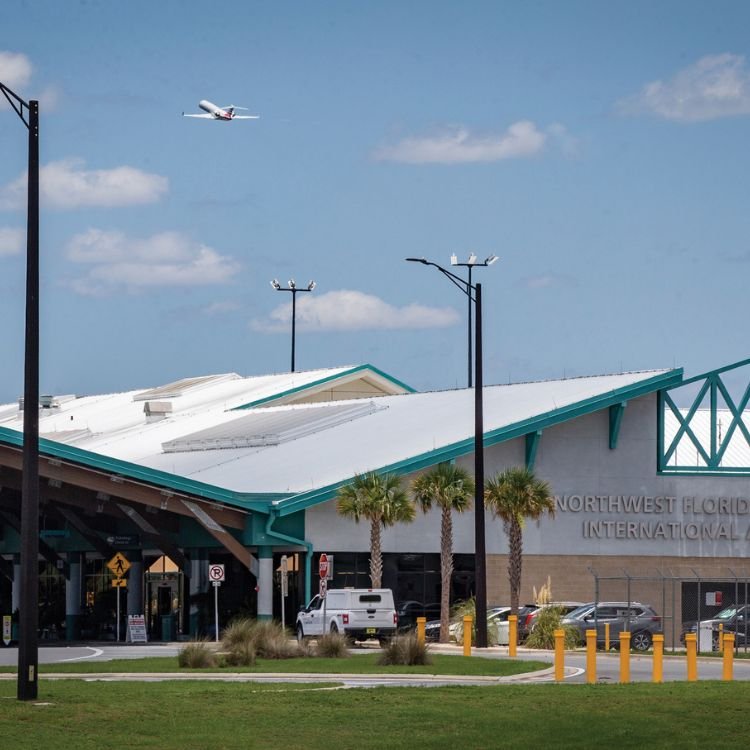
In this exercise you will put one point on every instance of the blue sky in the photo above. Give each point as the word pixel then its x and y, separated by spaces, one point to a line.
pixel 600 149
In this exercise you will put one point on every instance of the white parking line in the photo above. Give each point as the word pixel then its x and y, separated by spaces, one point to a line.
pixel 97 652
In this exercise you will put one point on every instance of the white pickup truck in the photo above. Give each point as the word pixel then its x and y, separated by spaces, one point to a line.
pixel 357 613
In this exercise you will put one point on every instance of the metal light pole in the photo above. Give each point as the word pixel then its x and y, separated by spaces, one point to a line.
pixel 472 263
pixel 28 645
pixel 480 565
pixel 294 289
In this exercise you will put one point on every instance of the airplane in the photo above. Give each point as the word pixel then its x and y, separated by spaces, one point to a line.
pixel 221 113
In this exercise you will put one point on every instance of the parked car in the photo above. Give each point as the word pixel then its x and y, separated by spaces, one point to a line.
pixel 408 612
pixel 640 620
pixel 733 619
pixel 527 620
pixel 359 614
pixel 495 616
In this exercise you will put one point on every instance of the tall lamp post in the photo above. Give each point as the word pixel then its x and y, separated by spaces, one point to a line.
pixel 28 644
pixel 471 264
pixel 474 293
pixel 294 289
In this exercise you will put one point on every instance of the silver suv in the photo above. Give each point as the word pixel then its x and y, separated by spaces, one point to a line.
pixel 640 620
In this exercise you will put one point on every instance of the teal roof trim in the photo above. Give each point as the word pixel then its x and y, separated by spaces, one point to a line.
pixel 161 479
pixel 323 381
pixel 509 432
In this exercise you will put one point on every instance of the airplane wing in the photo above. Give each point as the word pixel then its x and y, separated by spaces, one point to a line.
pixel 246 117
pixel 203 117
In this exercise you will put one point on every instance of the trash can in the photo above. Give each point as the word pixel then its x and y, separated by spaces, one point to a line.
pixel 168 627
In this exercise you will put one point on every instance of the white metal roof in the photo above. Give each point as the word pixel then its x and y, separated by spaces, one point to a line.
pixel 328 450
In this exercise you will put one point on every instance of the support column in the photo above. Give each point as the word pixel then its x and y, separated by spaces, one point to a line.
pixel 135 583
pixel 73 597
pixel 15 591
pixel 265 583
pixel 198 584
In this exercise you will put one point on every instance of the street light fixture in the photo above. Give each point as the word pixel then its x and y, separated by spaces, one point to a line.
pixel 472 263
pixel 480 565
pixel 294 289
pixel 28 642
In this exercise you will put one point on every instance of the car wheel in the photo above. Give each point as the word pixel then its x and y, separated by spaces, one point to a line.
pixel 300 634
pixel 334 628
pixel 641 641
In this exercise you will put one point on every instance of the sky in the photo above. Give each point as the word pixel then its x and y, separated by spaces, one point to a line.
pixel 599 149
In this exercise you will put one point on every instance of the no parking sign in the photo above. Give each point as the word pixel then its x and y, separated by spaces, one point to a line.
pixel 216 573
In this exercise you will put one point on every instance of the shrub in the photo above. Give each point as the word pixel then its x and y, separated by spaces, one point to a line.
pixel 543 634
pixel 332 646
pixel 196 655
pixel 265 639
pixel 464 609
pixel 241 655
pixel 406 650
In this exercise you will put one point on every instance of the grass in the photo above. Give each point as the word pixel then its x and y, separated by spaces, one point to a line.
pixel 113 716
pixel 361 664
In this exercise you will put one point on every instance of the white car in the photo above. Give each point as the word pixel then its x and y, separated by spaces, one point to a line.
pixel 359 614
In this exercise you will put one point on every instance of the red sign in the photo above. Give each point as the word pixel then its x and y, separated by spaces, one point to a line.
pixel 323 566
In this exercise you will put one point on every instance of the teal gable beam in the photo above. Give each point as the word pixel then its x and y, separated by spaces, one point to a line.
pixel 464 447
pixel 323 381
pixel 532 443
pixel 615 420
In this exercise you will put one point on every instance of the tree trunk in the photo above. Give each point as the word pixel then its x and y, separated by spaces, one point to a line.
pixel 515 561
pixel 376 555
pixel 446 572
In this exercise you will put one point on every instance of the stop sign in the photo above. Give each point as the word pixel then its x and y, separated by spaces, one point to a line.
pixel 323 566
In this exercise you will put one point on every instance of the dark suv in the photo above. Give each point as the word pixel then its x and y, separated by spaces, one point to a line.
pixel 640 620
pixel 733 619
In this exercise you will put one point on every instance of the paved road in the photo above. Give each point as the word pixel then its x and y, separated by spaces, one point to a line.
pixel 608 665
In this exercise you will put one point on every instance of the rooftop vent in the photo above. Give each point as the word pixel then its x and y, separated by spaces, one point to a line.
pixel 157 410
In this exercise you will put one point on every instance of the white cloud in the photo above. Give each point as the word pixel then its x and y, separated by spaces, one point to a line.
pixel 66 184
pixel 12 241
pixel 15 71
pixel 460 146
pixel 347 310
pixel 715 86
pixel 164 259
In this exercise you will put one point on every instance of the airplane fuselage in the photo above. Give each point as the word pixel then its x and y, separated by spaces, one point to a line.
pixel 216 112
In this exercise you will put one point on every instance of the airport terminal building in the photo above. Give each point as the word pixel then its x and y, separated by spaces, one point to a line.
pixel 649 470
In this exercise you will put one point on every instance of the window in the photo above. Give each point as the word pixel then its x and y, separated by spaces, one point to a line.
pixel 367 598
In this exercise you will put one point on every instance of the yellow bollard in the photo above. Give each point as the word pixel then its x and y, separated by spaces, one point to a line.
pixel 512 634
pixel 468 620
pixel 658 673
pixel 559 655
pixel 691 644
pixel 421 621
pixel 728 658
pixel 624 656
pixel 721 637
pixel 591 656
pixel 606 636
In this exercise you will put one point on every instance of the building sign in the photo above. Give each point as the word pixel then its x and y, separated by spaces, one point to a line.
pixel 659 518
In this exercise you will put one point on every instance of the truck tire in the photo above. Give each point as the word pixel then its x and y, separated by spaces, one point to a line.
pixel 300 633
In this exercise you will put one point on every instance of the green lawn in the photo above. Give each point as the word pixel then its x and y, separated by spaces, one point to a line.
pixel 211 716
pixel 362 664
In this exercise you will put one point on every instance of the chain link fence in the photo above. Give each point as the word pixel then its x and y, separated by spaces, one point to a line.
pixel 683 602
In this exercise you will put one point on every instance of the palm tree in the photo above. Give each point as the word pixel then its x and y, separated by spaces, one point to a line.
pixel 381 500
pixel 450 488
pixel 515 495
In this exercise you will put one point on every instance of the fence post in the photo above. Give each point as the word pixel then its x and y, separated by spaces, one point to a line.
pixel 624 656
pixel 692 658
pixel 468 620
pixel 421 621
pixel 512 634
pixel 591 656
pixel 559 655
pixel 728 658
pixel 658 672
